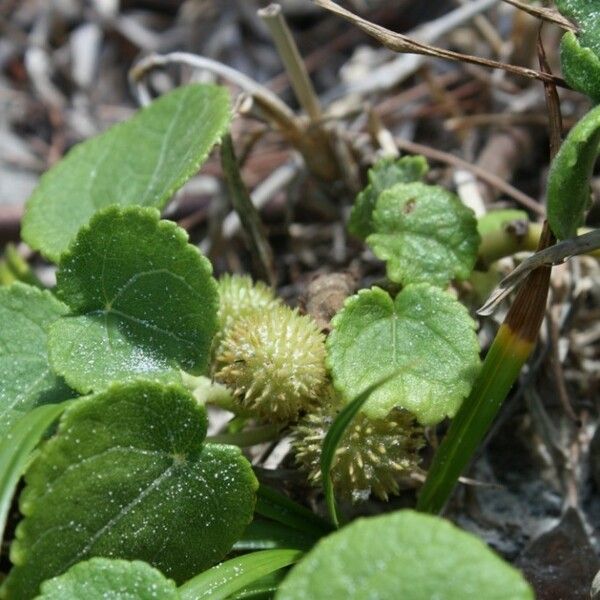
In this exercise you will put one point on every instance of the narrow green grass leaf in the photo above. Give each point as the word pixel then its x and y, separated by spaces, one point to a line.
pixel 500 370
pixel 16 446
pixel 225 579
pixel 403 555
pixel 140 162
pixel 273 505
pixel 264 534
pixel 262 589
pixel 332 440
pixel 104 578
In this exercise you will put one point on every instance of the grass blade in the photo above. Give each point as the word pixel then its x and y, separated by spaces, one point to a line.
pixel 332 439
pixel 276 506
pixel 509 351
pixel 16 448
pixel 264 534
pixel 225 579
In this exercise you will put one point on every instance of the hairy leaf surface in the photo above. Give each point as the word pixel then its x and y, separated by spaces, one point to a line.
pixel 425 234
pixel 143 302
pixel 403 555
pixel 128 475
pixel 424 335
pixel 142 161
pixel 104 578
pixel 580 54
pixel 26 379
pixel 569 194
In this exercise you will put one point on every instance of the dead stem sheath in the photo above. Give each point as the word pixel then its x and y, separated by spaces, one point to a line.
pixel 260 249
pixel 292 61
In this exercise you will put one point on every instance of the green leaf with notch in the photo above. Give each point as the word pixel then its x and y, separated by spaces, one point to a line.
pixel 425 335
pixel 103 578
pixel 403 555
pixel 142 161
pixel 569 193
pixel 425 234
pixel 383 175
pixel 26 379
pixel 128 475
pixel 580 54
pixel 143 302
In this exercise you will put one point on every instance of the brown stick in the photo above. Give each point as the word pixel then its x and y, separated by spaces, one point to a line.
pixel 401 43
pixel 490 178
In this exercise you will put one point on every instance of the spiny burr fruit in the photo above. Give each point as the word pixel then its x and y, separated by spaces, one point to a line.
pixel 239 296
pixel 371 457
pixel 274 361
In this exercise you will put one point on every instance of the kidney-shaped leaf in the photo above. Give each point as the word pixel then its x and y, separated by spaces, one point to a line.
pixel 128 475
pixel 143 302
pixel 26 379
pixel 142 161
pixel 425 234
pixel 403 555
pixel 424 335
pixel 105 578
pixel 569 192
pixel 384 174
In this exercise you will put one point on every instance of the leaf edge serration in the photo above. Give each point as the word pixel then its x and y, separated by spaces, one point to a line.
pixel 387 303
pixel 38 483
pixel 30 231
pixel 161 227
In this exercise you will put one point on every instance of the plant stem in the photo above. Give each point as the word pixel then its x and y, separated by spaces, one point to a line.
pixel 507 355
pixel 247 437
pixel 491 179
pixel 294 65
pixel 506 241
pixel 402 43
pixel 509 351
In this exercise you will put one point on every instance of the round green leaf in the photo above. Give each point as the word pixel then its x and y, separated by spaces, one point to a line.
pixel 143 302
pixel 140 162
pixel 103 579
pixel 128 476
pixel 424 233
pixel 569 178
pixel 383 175
pixel 403 555
pixel 424 334
pixel 26 379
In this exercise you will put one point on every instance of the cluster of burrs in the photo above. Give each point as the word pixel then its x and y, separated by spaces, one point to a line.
pixel 272 359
